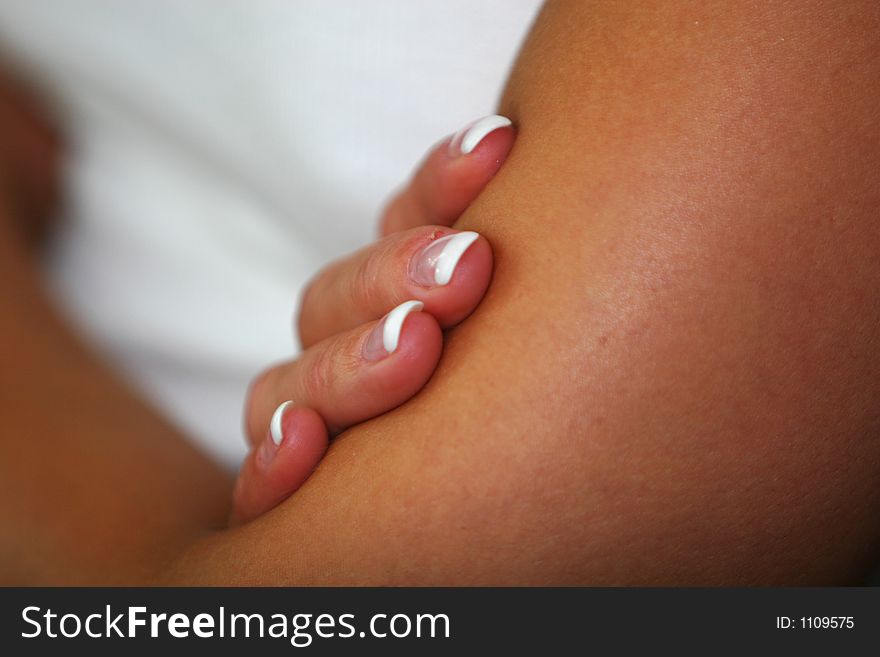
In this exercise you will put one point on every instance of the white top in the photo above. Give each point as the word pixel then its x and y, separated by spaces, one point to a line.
pixel 221 152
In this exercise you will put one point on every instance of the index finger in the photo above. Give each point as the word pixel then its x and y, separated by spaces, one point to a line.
pixel 452 175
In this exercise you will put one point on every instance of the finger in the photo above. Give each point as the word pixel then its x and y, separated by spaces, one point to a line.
pixel 446 269
pixel 281 463
pixel 354 375
pixel 452 175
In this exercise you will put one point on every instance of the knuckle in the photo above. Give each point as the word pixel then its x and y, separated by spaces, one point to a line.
pixel 329 368
pixel 375 280
pixel 364 284
pixel 318 377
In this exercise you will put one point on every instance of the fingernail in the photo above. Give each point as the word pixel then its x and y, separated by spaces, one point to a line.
pixel 469 137
pixel 383 339
pixel 276 430
pixel 435 264
pixel 269 447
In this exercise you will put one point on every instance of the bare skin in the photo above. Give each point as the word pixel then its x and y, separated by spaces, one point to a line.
pixel 96 488
pixel 334 385
pixel 672 377
pixel 332 382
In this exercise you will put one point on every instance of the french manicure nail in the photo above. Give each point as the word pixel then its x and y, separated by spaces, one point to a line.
pixel 269 446
pixel 469 137
pixel 276 429
pixel 384 338
pixel 435 264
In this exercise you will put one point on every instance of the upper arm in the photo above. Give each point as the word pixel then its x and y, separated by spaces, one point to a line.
pixel 674 374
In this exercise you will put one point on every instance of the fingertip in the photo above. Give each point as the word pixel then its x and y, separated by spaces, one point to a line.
pixel 448 180
pixel 453 298
pixel 304 443
pixel 473 267
pixel 487 156
pixel 421 340
pixel 456 180
pixel 474 134
pixel 402 373
pixel 273 471
pixel 469 283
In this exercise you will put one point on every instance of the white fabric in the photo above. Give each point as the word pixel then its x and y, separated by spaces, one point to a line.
pixel 221 152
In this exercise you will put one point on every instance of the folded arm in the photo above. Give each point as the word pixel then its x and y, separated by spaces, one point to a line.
pixel 94 486
pixel 673 376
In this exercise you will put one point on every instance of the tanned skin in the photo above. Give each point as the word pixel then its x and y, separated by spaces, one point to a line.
pixel 672 380
pixel 674 376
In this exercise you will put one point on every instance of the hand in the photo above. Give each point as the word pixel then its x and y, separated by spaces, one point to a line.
pixel 355 365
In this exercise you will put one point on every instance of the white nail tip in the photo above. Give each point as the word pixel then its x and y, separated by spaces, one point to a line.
pixel 472 135
pixel 275 429
pixel 394 323
pixel 453 248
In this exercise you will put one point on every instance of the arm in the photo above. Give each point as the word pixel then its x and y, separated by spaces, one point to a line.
pixel 98 489
pixel 95 487
pixel 673 376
